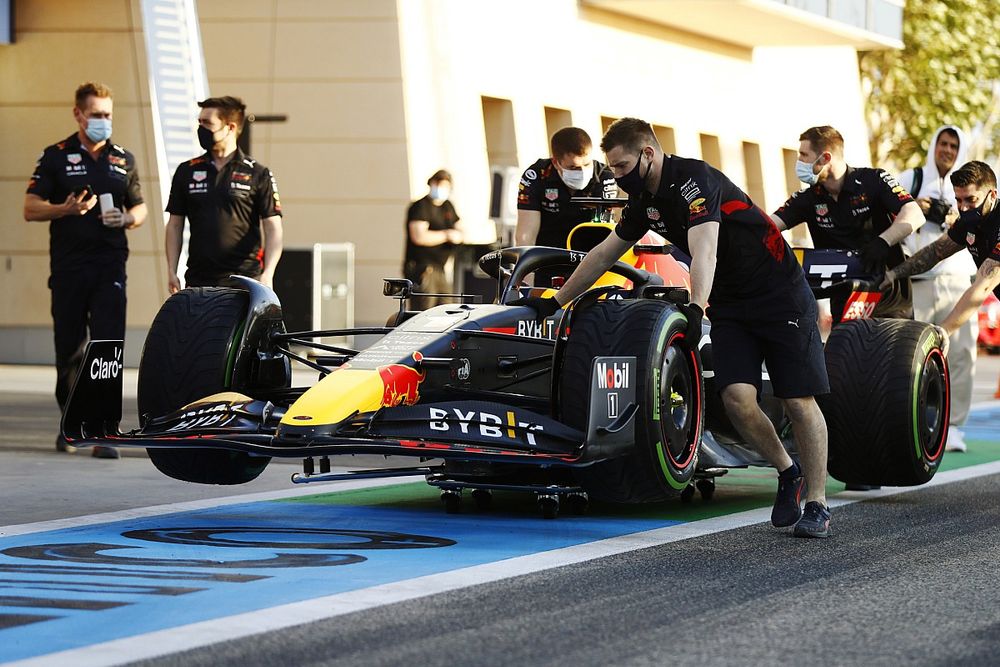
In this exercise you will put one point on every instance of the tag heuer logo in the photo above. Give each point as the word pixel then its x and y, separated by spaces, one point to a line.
pixel 552 194
pixel 970 238
pixel 652 213
pixel 73 158
pixel 822 209
pixel 199 176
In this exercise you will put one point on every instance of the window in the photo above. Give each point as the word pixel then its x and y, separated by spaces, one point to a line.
pixel 665 135
pixel 555 120
pixel 754 173
pixel 710 150
pixel 498 121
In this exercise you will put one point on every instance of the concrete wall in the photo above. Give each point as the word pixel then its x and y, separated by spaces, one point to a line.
pixel 379 94
pixel 60 44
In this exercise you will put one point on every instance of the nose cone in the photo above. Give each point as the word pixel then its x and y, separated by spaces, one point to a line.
pixel 336 397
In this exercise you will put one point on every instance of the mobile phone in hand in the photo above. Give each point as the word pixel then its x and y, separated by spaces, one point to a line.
pixel 86 192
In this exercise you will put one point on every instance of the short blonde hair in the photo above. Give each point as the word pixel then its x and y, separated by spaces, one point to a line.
pixel 91 88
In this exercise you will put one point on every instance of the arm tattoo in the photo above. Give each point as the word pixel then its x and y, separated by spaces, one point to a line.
pixel 925 258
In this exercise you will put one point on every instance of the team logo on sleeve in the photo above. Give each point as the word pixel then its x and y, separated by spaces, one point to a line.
pixel 690 190
pixel 530 174
pixel 696 209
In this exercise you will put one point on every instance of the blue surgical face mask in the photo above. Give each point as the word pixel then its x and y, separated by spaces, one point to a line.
pixel 440 192
pixel 804 172
pixel 98 129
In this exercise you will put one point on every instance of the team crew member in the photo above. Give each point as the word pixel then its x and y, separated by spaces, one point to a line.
pixel 761 307
pixel 87 248
pixel 978 229
pixel 432 232
pixel 859 209
pixel 231 203
pixel 545 215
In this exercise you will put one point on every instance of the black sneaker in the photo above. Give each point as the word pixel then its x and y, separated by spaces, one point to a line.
pixel 786 510
pixel 815 521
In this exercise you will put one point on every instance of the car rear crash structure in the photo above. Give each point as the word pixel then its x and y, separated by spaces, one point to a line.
pixel 602 401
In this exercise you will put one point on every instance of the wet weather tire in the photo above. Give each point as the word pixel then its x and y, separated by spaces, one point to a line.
pixel 887 411
pixel 669 389
pixel 188 355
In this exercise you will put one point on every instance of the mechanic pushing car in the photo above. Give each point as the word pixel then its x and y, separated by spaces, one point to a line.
pixel 761 307
pixel 862 209
pixel 978 229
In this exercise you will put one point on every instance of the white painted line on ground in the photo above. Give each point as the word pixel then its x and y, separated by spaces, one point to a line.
pixel 195 635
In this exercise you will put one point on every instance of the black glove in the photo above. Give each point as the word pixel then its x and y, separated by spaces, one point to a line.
pixel 873 255
pixel 693 313
pixel 545 307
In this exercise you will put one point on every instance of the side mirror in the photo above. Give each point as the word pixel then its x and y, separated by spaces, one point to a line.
pixel 398 288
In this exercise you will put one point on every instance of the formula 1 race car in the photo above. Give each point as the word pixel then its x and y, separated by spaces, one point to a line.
pixel 604 400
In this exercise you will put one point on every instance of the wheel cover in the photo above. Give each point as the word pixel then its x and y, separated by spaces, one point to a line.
pixel 679 406
pixel 931 408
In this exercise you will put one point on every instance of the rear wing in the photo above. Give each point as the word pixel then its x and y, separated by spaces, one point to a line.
pixel 94 409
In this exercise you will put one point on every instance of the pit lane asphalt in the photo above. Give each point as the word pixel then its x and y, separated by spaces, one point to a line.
pixel 909 579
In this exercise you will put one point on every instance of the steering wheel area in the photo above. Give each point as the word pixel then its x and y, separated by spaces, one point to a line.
pixel 511 265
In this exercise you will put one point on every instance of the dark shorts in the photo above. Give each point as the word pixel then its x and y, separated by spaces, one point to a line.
pixel 781 332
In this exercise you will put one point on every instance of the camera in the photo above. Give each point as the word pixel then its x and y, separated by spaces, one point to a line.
pixel 937 211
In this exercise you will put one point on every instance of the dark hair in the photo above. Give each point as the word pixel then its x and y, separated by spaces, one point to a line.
pixel 438 176
pixel 570 141
pixel 630 133
pixel 231 109
pixel 974 173
pixel 824 139
pixel 88 89
pixel 949 130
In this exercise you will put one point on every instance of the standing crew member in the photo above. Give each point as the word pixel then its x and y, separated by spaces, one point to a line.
pixel 229 200
pixel 761 306
pixel 978 229
pixel 432 232
pixel 861 209
pixel 87 248
pixel 545 215
pixel 936 291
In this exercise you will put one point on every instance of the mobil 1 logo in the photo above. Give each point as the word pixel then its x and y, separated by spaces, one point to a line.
pixel 612 386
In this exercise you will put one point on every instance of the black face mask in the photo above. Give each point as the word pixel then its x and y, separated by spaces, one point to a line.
pixel 974 215
pixel 206 138
pixel 632 183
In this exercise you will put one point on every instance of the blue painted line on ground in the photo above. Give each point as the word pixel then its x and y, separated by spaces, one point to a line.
pixel 93 584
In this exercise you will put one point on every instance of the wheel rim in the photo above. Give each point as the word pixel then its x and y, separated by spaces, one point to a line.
pixel 677 396
pixel 932 406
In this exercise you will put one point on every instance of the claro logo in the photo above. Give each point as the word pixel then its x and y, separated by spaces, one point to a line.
pixel 101 369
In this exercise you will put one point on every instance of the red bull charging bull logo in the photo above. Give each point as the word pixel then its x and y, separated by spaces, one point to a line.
pixel 401 384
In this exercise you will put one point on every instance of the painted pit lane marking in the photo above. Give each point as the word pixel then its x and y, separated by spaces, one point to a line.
pixel 345 547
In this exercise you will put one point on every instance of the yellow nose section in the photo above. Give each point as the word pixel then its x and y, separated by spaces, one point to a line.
pixel 336 397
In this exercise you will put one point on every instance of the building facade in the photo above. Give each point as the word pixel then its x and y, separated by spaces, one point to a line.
pixel 380 94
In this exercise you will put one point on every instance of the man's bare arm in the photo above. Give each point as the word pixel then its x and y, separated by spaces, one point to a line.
pixel 528 224
pixel 909 218
pixel 37 209
pixel 422 234
pixel 987 279
pixel 172 239
pixel 272 248
pixel 925 259
pixel 703 241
